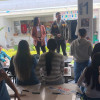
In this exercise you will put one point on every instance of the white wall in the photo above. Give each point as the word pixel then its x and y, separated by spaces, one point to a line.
pixel 42 18
pixel 9 22
pixel 22 18
pixel 46 18
pixel 2 33
pixel 4 22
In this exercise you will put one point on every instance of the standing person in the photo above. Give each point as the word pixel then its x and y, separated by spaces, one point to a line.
pixel 3 89
pixel 81 50
pixel 90 79
pixel 38 34
pixel 59 30
pixel 3 55
pixel 50 68
pixel 24 65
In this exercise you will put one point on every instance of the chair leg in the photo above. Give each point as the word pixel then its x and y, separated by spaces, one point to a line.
pixel 66 79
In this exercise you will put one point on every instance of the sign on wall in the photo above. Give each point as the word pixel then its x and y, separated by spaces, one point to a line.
pixel 85 16
pixel 69 15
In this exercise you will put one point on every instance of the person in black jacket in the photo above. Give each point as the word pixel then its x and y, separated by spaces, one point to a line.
pixel 59 30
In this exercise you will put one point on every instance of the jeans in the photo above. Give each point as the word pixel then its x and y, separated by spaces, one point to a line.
pixel 63 46
pixel 79 67
pixel 38 48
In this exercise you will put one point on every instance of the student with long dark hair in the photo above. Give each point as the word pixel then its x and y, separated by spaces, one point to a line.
pixel 95 49
pixel 38 35
pixel 24 64
pixel 51 65
pixel 91 78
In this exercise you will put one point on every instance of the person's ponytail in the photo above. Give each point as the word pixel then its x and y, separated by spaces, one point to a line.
pixel 49 57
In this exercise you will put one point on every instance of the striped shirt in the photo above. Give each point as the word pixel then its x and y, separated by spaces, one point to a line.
pixel 57 68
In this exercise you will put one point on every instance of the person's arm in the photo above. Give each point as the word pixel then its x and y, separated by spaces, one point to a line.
pixel 67 31
pixel 82 78
pixel 5 55
pixel 53 29
pixel 72 49
pixel 2 57
pixel 90 49
pixel 44 32
pixel 39 67
pixel 4 76
pixel 34 34
pixel 3 60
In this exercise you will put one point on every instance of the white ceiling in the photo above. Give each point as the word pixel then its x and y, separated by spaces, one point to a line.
pixel 30 4
pixel 9 5
pixel 20 8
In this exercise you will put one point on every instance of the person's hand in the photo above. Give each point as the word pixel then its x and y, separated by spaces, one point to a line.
pixel 38 39
pixel 5 63
pixel 17 96
pixel 58 35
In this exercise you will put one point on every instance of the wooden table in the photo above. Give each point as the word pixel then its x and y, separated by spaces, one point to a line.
pixel 58 92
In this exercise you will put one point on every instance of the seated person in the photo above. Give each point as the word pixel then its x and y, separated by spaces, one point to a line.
pixel 24 65
pixel 95 49
pixel 3 90
pixel 50 68
pixel 90 79
pixel 3 55
pixel 11 67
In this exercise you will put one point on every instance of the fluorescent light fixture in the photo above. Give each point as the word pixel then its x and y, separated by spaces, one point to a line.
pixel 33 9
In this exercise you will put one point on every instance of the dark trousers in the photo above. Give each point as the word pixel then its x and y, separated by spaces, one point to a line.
pixel 61 43
pixel 79 67
pixel 38 48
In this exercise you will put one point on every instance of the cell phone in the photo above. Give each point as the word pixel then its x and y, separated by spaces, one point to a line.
pixel 25 90
pixel 56 93
pixel 35 92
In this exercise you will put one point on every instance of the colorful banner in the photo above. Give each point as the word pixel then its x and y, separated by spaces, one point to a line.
pixel 69 15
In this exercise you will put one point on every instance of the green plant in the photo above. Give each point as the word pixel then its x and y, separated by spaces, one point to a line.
pixel 15 47
pixel 1 28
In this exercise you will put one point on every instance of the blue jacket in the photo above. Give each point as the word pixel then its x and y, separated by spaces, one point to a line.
pixel 3 55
